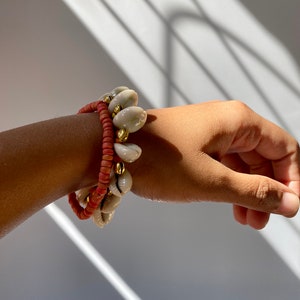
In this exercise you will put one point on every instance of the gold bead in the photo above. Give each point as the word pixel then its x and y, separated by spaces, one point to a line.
pixel 117 109
pixel 119 168
pixel 107 98
pixel 109 193
pixel 122 135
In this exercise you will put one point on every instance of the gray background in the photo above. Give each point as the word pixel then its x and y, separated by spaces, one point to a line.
pixel 50 66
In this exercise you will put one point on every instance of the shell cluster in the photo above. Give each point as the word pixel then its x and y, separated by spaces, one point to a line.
pixel 127 118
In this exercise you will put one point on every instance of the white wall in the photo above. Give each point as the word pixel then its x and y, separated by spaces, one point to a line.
pixel 171 53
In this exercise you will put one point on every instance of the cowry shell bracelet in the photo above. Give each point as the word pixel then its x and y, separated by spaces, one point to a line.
pixel 119 116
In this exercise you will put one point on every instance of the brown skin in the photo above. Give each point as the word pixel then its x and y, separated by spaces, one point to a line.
pixel 183 148
pixel 190 153
pixel 44 161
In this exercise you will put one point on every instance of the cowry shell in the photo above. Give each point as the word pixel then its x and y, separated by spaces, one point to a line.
pixel 101 219
pixel 105 96
pixel 128 152
pixel 131 118
pixel 110 203
pixel 125 99
pixel 118 90
pixel 121 184
pixel 109 96
pixel 82 194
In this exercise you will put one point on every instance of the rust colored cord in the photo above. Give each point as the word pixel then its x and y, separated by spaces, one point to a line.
pixel 98 193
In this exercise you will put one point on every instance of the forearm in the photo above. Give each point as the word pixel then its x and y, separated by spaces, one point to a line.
pixel 183 148
pixel 45 161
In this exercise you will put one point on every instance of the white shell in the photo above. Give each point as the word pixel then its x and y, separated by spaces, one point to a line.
pixel 110 204
pixel 128 152
pixel 104 96
pixel 118 90
pixel 101 219
pixel 126 98
pixel 121 184
pixel 131 118
pixel 82 194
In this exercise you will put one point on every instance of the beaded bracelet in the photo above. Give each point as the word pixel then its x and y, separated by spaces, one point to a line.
pixel 119 116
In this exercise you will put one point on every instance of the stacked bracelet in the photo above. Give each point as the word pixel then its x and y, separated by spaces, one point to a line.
pixel 119 116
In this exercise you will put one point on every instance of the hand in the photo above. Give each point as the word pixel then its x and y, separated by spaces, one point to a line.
pixel 219 151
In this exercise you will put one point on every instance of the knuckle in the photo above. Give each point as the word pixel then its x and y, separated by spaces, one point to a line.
pixel 263 190
pixel 239 106
pixel 247 130
pixel 240 111
pixel 266 197
pixel 296 146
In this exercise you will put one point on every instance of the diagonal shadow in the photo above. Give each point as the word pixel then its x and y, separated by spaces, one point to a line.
pixel 171 33
pixel 243 68
pixel 163 70
pixel 223 35
pixel 146 51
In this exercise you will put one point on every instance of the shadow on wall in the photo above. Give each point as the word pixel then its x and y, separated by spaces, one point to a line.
pixel 283 21
pixel 225 37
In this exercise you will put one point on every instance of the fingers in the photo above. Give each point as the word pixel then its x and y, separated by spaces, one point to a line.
pixel 265 194
pixel 256 192
pixel 255 219
pixel 275 155
pixel 259 195
pixel 263 186
pixel 268 150
pixel 254 196
pixel 270 197
pixel 284 169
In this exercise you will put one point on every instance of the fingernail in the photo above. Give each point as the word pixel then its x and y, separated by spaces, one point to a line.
pixel 289 205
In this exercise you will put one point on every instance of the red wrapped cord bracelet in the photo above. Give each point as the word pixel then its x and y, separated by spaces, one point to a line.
pixel 97 194
pixel 119 116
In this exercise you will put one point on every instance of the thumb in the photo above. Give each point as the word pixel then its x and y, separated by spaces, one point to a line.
pixel 264 194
